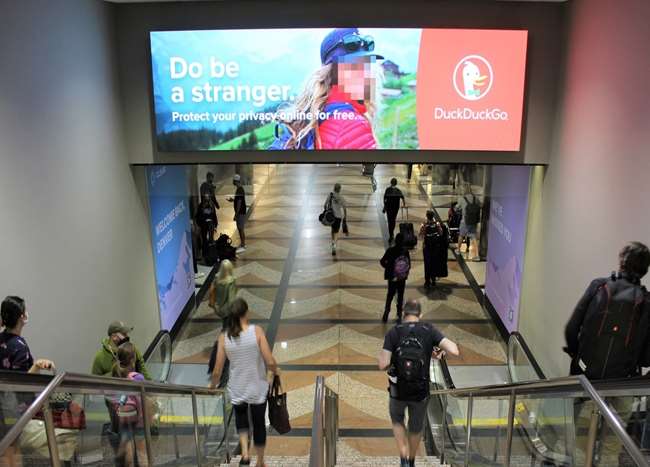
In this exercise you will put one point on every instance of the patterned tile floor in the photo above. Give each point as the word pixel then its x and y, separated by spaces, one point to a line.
pixel 322 313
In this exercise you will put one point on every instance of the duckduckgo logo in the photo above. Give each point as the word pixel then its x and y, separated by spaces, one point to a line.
pixel 473 77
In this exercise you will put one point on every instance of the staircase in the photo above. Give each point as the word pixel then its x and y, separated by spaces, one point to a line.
pixel 346 456
pixel 283 461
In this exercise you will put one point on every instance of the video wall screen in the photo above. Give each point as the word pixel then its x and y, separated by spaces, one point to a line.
pixel 338 89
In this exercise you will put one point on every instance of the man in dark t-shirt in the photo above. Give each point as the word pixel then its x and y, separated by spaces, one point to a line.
pixel 208 189
pixel 239 204
pixel 435 345
pixel 392 197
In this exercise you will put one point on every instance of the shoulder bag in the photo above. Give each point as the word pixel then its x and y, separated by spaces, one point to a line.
pixel 278 412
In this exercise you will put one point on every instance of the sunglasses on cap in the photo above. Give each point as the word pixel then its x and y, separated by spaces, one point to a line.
pixel 355 43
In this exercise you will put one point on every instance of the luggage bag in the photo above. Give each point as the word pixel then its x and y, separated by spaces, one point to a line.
pixel 407 231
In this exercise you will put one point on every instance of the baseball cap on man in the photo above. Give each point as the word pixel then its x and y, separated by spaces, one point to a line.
pixel 236 178
pixel 346 43
pixel 119 326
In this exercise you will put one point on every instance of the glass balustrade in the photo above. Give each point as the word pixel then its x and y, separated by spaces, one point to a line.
pixel 561 422
pixel 107 421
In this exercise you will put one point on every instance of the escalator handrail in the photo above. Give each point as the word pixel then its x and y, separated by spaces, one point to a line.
pixel 537 387
pixel 154 343
pixel 68 380
pixel 167 361
pixel 529 354
pixel 449 381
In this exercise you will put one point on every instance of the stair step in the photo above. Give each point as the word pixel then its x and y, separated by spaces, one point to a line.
pixel 348 461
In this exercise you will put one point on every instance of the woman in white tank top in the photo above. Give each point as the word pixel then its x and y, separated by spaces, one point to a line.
pixel 250 356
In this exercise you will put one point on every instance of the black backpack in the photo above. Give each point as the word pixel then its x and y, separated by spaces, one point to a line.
pixel 614 333
pixel 410 364
pixel 472 211
pixel 224 247
pixel 432 235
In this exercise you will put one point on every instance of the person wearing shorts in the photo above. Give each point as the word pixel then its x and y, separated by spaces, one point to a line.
pixel 339 207
pixel 411 397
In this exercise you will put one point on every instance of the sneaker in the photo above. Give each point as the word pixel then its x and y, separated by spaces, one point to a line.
pixel 333 249
pixel 476 259
pixel 241 249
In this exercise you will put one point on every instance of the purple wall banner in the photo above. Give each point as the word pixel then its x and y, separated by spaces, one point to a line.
pixel 506 241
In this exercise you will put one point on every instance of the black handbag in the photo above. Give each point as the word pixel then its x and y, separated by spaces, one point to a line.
pixel 278 412
pixel 327 216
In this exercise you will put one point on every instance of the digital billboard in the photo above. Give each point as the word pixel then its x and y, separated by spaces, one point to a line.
pixel 507 241
pixel 171 235
pixel 338 89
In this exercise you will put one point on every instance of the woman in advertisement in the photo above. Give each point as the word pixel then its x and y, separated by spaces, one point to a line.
pixel 339 97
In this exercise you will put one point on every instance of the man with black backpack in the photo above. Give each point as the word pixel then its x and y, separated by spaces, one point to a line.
pixel 470 208
pixel 608 335
pixel 408 348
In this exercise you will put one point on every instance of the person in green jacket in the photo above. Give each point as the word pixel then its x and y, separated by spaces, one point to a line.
pixel 223 290
pixel 105 358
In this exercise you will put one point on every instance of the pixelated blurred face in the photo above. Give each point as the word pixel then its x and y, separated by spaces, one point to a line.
pixel 356 77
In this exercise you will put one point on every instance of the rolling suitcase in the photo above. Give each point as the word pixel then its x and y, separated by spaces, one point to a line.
pixel 407 231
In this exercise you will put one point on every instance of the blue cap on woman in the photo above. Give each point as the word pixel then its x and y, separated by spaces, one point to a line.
pixel 344 43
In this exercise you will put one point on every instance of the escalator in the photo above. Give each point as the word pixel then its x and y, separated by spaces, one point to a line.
pixel 159 361
pixel 180 425
pixel 529 420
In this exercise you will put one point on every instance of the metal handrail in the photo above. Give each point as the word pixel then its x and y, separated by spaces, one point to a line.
pixel 106 382
pixel 325 426
pixel 528 388
pixel 317 450
pixel 614 422
pixel 74 380
pixel 31 411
